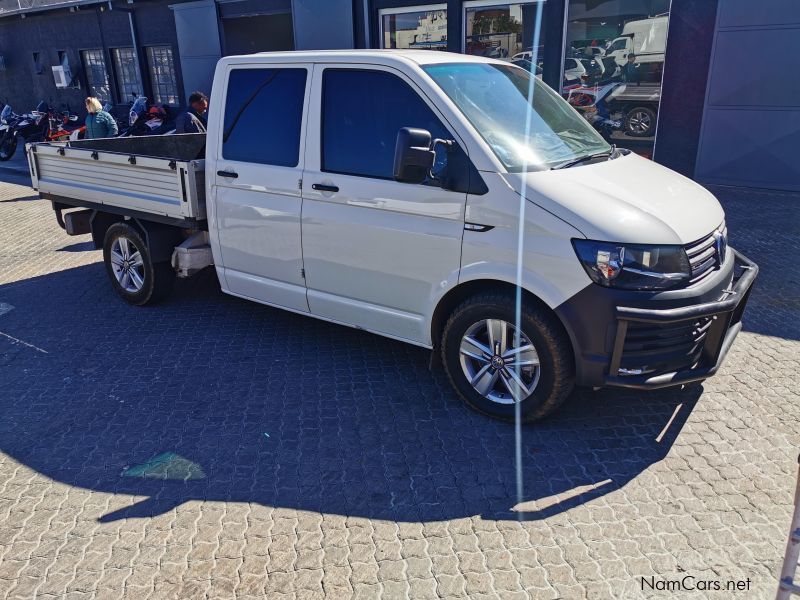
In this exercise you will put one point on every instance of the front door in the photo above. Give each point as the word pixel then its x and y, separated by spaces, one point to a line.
pixel 377 253
pixel 258 171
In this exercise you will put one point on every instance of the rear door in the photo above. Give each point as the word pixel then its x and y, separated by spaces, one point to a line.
pixel 257 177
pixel 377 252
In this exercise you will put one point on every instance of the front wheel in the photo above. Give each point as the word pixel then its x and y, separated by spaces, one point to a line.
pixel 8 145
pixel 640 121
pixel 496 363
pixel 134 276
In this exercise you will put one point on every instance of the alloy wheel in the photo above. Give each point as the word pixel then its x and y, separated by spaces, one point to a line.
pixel 639 122
pixel 499 361
pixel 127 264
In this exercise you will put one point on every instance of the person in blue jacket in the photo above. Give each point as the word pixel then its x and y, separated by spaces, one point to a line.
pixel 99 123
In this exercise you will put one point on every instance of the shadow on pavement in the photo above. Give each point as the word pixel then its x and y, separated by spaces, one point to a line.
pixel 764 226
pixel 21 199
pixel 78 247
pixel 209 397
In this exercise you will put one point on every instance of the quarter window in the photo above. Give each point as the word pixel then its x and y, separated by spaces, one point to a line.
pixel 96 75
pixel 362 113
pixel 128 80
pixel 264 115
pixel 162 74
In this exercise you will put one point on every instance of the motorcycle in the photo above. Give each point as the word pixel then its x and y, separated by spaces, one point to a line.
pixel 148 121
pixel 590 102
pixel 8 144
pixel 64 126
pixel 31 127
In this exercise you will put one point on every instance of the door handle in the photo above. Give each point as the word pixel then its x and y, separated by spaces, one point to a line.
pixel 230 174
pixel 321 187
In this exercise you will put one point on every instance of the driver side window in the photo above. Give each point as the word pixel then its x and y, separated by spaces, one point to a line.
pixel 362 112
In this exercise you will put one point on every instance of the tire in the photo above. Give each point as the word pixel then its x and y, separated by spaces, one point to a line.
pixel 130 269
pixel 549 383
pixel 8 146
pixel 640 121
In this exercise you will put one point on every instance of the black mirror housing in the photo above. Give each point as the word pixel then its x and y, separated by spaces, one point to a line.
pixel 413 157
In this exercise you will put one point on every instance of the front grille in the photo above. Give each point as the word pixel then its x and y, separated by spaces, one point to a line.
pixel 652 348
pixel 704 256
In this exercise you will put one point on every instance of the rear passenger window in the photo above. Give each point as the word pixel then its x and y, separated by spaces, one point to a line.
pixel 362 113
pixel 263 116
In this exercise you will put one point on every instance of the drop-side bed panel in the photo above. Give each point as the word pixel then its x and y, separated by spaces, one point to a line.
pixel 159 186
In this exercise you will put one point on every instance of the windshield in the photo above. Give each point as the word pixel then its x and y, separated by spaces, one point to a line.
pixel 619 44
pixel 495 99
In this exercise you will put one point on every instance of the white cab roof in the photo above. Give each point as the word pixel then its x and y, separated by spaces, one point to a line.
pixel 382 57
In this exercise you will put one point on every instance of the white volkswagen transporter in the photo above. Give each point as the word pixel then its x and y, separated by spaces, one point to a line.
pixel 452 202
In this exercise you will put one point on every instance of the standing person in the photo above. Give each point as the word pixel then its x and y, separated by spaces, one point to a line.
pixel 630 72
pixel 194 119
pixel 99 124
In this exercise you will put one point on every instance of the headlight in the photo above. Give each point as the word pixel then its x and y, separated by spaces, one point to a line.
pixel 634 266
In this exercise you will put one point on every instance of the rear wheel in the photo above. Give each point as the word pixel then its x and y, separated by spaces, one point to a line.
pixel 133 275
pixel 495 363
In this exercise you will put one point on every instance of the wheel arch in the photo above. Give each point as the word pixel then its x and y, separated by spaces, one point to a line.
pixel 160 239
pixel 468 289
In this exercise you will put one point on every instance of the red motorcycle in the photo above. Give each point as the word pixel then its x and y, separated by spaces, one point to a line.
pixel 64 126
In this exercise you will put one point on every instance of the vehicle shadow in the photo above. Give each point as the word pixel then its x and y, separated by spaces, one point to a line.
pixel 21 199
pixel 208 397
pixel 78 247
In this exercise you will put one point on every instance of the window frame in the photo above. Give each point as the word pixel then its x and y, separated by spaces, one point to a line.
pixel 308 68
pixel 155 82
pixel 118 73
pixel 403 10
pixel 38 65
pixel 91 89
pixel 486 4
pixel 392 73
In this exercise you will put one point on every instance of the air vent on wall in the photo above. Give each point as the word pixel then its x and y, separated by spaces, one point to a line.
pixel 61 76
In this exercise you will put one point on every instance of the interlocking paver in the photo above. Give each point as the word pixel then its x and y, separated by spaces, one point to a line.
pixel 373 481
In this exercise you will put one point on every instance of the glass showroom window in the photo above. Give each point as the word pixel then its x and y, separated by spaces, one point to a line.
pixel 162 75
pixel 415 27
pixel 94 65
pixel 613 67
pixel 508 31
pixel 128 79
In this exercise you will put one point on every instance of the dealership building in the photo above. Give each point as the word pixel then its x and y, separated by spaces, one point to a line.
pixel 698 85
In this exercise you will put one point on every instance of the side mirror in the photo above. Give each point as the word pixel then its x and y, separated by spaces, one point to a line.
pixel 413 157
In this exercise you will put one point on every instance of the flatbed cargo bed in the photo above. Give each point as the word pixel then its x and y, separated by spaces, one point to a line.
pixel 155 177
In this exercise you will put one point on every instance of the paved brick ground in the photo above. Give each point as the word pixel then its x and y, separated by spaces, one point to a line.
pixel 211 447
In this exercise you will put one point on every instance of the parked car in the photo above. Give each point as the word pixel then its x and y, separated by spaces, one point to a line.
pixel 528 66
pixel 573 69
pixel 596 51
pixel 639 106
pixel 421 196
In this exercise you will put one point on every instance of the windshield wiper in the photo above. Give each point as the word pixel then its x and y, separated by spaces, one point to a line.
pixel 571 163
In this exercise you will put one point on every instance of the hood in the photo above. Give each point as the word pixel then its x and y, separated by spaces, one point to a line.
pixel 629 199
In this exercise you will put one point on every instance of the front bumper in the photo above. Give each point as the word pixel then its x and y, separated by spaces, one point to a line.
pixel 654 340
